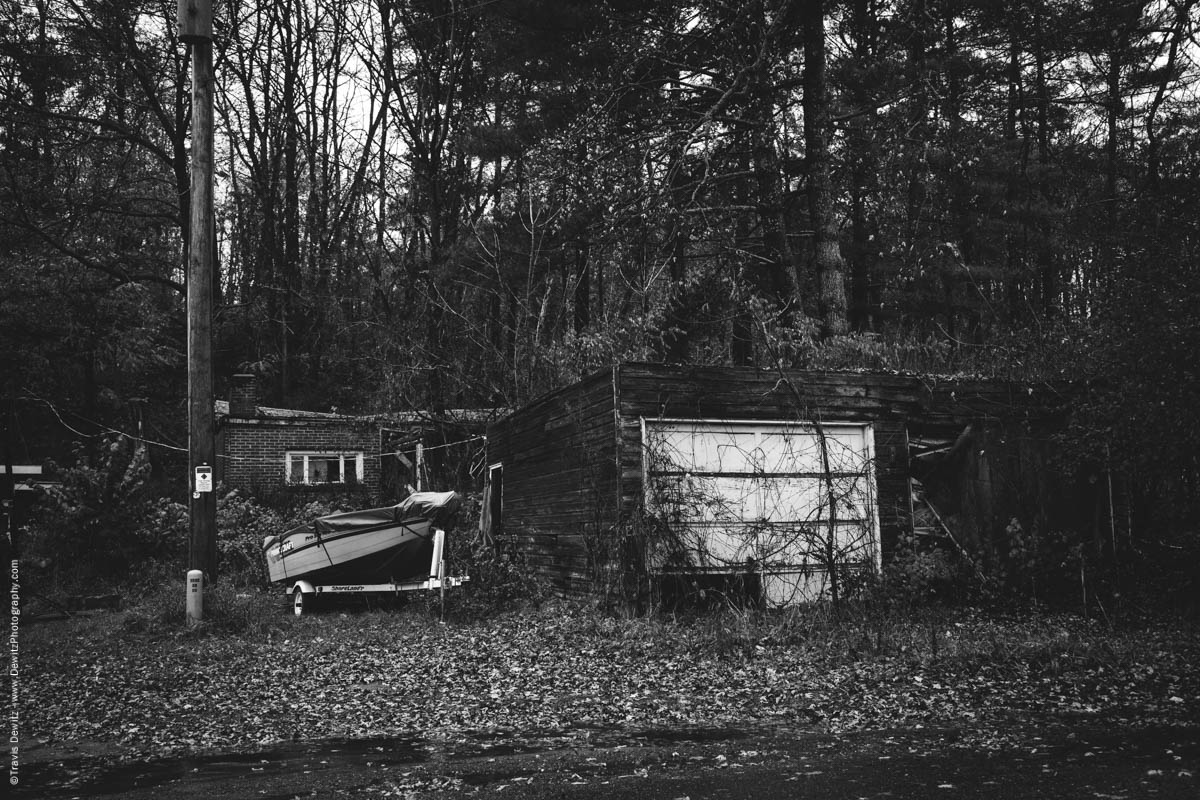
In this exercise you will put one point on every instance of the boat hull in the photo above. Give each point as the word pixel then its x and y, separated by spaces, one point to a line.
pixel 379 545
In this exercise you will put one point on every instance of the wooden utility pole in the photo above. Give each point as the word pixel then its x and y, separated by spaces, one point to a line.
pixel 195 28
pixel 8 482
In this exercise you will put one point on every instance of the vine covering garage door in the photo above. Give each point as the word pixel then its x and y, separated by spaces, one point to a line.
pixel 788 503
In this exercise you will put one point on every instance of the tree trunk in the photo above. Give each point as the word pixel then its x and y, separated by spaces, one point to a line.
pixel 583 284
pixel 863 168
pixel 677 344
pixel 1052 299
pixel 583 267
pixel 775 265
pixel 827 255
pixel 1014 252
pixel 917 137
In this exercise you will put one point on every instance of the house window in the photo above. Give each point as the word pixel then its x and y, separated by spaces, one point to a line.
pixel 320 469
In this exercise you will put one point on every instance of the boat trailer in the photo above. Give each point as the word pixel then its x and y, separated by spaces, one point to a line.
pixel 305 595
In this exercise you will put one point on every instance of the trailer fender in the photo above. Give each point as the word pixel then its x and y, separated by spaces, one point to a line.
pixel 304 586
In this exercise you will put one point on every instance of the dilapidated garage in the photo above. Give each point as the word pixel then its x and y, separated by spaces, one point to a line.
pixel 645 479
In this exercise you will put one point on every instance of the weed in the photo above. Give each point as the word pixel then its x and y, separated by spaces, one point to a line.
pixel 228 610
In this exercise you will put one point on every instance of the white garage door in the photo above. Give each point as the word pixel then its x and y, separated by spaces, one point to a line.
pixel 776 499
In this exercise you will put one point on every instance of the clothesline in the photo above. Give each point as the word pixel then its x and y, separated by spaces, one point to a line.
pixel 374 456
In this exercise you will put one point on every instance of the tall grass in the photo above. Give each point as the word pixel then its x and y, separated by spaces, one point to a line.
pixel 952 638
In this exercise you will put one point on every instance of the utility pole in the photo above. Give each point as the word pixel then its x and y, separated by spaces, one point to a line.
pixel 8 482
pixel 195 28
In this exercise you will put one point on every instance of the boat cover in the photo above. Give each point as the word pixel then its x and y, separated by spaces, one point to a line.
pixel 438 507
pixel 354 520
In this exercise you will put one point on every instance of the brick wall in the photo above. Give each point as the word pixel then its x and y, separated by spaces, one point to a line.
pixel 243 396
pixel 254 450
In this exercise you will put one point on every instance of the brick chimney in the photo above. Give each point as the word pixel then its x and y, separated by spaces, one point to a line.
pixel 243 396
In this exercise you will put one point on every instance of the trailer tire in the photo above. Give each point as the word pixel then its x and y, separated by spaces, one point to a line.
pixel 302 602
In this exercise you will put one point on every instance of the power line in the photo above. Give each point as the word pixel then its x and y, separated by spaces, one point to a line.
pixel 250 460
pixel 101 426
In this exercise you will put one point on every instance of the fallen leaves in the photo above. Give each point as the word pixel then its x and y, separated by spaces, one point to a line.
pixel 380 675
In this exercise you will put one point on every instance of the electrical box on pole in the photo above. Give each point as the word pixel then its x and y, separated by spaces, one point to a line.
pixel 195 28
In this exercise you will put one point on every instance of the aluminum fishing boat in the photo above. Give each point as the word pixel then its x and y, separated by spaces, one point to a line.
pixel 375 545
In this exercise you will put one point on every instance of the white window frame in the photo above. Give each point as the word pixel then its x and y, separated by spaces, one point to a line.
pixel 347 458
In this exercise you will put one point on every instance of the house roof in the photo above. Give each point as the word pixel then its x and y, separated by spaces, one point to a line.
pixel 221 409
pixel 451 415
pixel 412 417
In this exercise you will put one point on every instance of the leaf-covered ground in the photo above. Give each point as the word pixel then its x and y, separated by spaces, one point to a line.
pixel 402 673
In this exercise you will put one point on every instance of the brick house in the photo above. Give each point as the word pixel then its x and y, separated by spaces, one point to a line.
pixel 267 450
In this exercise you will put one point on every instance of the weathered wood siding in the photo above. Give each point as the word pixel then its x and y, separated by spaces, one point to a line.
pixel 559 480
pixel 573 468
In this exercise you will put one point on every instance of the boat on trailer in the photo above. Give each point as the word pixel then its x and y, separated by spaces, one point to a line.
pixel 394 548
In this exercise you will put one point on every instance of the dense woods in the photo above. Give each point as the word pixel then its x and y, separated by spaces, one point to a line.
pixel 448 203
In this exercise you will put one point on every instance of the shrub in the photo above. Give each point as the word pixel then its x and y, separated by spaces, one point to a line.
pixel 918 574
pixel 106 524
pixel 104 521
pixel 498 580
pixel 242 524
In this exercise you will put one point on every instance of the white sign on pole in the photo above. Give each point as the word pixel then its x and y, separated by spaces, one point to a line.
pixel 204 479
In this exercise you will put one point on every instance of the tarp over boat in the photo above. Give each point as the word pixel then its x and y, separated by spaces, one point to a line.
pixel 438 507
pixel 376 543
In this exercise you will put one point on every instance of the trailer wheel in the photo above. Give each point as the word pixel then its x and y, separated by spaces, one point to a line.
pixel 301 602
